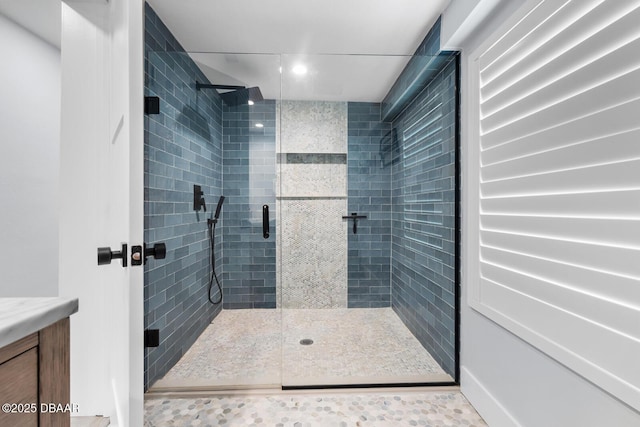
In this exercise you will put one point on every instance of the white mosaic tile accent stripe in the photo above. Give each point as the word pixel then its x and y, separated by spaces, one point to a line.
pixel 313 180
pixel 351 346
pixel 312 240
pixel 313 127
pixel 391 409
pixel 313 252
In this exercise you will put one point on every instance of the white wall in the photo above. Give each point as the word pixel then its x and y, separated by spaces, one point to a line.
pixel 510 382
pixel 29 157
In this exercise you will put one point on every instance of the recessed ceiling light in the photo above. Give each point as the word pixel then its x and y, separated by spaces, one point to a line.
pixel 299 69
pixel 259 125
pixel 250 102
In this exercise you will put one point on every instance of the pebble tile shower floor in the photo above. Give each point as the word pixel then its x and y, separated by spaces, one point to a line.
pixel 353 409
pixel 351 346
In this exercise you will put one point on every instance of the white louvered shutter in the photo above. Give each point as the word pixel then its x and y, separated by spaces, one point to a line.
pixel 559 191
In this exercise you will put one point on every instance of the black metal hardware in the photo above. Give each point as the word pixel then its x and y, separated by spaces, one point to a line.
pixel 151 105
pixel 158 251
pixel 355 217
pixel 265 221
pixel 211 222
pixel 136 255
pixel 198 200
pixel 151 337
pixel 234 95
pixel 218 208
pixel 222 87
pixel 105 255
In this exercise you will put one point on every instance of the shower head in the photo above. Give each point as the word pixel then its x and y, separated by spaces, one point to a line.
pixel 242 96
pixel 236 95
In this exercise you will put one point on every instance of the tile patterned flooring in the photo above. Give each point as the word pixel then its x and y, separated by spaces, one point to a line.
pixel 328 409
pixel 244 348
pixel 351 346
pixel 367 345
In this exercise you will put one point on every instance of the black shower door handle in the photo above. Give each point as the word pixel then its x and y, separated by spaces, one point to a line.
pixel 265 221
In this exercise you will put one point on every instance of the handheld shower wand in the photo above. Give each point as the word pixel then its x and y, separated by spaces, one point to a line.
pixel 214 220
pixel 220 202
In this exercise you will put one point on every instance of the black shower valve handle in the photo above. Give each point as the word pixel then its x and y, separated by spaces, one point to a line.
pixel 198 198
pixel 355 217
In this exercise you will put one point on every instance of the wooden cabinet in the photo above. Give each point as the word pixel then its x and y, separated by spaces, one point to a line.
pixel 34 371
pixel 19 386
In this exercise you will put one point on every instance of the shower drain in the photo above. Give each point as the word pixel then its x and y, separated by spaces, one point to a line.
pixel 306 341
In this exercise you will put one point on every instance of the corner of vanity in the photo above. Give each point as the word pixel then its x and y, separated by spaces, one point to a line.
pixel 34 361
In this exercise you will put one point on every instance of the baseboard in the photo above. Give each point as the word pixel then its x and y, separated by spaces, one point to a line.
pixel 89 421
pixel 485 403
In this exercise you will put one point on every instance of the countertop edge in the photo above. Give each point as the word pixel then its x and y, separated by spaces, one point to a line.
pixel 32 315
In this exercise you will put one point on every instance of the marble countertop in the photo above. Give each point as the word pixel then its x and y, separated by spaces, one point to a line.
pixel 20 317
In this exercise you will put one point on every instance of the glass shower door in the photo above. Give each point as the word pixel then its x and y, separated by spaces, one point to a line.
pixel 249 237
pixel 217 130
pixel 312 250
pixel 324 340
pixel 341 218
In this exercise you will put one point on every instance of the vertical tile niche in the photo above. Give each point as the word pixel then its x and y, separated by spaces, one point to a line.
pixel 312 198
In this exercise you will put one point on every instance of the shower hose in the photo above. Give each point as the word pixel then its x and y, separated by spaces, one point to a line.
pixel 212 263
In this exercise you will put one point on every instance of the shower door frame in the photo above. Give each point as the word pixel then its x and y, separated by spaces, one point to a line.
pixel 228 214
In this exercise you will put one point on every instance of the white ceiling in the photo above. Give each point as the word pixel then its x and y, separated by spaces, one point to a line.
pixel 354 49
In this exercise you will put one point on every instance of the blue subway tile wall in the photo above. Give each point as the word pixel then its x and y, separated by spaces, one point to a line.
pixel 425 63
pixel 369 193
pixel 249 158
pixel 423 225
pixel 183 147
